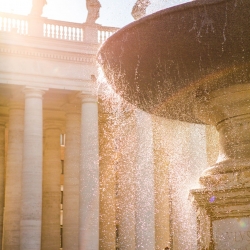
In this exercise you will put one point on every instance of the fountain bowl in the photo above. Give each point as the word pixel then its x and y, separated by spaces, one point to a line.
pixel 165 62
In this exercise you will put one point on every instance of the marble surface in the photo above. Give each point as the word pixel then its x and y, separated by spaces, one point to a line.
pixel 232 234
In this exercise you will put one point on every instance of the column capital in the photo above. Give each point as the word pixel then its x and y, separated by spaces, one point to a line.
pixel 15 106
pixel 89 173
pixel 34 91
pixel 88 96
pixel 31 209
pixel 16 99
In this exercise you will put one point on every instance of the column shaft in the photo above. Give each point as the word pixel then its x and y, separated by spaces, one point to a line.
pixel 2 168
pixel 52 169
pixel 162 190
pixel 12 212
pixel 71 182
pixel 89 175
pixel 31 204
pixel 126 154
pixel 186 149
pixel 144 181
pixel 107 179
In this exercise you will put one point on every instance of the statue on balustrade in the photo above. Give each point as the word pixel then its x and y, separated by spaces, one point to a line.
pixel 37 7
pixel 93 7
pixel 139 9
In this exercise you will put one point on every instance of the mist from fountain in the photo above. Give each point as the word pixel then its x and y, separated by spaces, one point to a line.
pixel 179 153
pixel 191 63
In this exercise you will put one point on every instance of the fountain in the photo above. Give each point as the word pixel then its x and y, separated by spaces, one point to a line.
pixel 192 63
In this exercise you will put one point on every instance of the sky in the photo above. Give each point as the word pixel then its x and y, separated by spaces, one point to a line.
pixel 116 13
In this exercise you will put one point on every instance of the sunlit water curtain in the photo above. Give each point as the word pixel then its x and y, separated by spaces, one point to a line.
pixel 183 63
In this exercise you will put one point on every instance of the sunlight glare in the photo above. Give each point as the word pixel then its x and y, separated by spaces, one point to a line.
pixel 21 7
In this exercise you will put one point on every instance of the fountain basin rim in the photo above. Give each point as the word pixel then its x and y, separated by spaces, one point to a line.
pixel 170 10
pixel 164 55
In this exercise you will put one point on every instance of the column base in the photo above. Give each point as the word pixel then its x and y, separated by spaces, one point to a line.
pixel 223 217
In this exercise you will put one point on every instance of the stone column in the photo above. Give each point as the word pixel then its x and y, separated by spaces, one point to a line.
pixel 52 169
pixel 107 166
pixel 12 212
pixel 31 203
pixel 186 148
pixel 2 169
pixel 144 181
pixel 126 154
pixel 71 178
pixel 89 174
pixel 162 189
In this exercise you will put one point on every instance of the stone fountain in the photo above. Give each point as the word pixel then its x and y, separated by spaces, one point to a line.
pixel 192 63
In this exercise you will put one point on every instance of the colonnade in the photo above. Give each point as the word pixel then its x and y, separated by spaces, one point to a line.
pixel 2 162
pixel 33 177
pixel 71 177
pixel 13 175
pixel 33 174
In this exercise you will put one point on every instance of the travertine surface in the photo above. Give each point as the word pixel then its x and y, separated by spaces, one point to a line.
pixel 144 184
pixel 125 144
pixel 71 178
pixel 31 198
pixel 2 170
pixel 89 175
pixel 11 236
pixel 232 233
pixel 223 202
pixel 52 168
pixel 108 178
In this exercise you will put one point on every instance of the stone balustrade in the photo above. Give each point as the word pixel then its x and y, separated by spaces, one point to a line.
pixel 14 23
pixel 105 32
pixel 63 30
pixel 51 28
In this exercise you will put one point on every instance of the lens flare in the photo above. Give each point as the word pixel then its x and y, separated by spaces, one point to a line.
pixel 212 199
pixel 242 223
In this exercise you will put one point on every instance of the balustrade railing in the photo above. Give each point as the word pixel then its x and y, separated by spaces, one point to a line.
pixel 63 30
pixel 52 28
pixel 104 32
pixel 14 23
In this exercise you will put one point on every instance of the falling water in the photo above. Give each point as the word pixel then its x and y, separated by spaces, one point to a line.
pixel 178 65
pixel 186 146
pixel 155 163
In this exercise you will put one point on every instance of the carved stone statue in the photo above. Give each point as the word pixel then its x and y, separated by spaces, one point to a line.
pixel 139 9
pixel 37 7
pixel 93 7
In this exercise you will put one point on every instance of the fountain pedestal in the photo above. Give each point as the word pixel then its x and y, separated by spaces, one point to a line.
pixel 223 218
pixel 223 202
